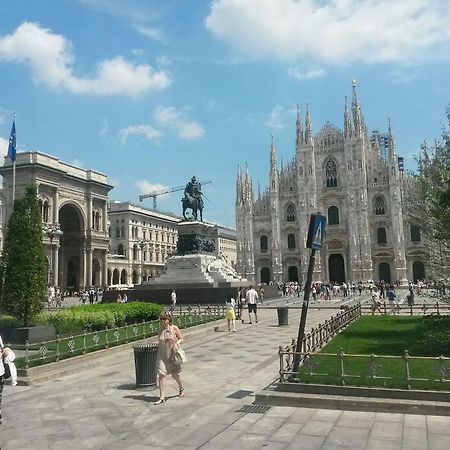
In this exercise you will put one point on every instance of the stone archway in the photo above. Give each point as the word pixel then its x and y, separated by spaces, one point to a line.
pixel 116 277
pixel 96 272
pixel 71 264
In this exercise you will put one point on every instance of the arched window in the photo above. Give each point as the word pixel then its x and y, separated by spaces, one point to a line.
pixel 263 243
pixel 120 250
pixel 290 213
pixel 331 173
pixel 117 232
pixel 333 215
pixel 135 252
pixel 45 210
pixel 415 233
pixel 291 240
pixel 379 206
pixel 381 236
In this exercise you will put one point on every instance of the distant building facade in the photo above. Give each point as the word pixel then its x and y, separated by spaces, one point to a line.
pixel 225 241
pixel 72 200
pixel 357 181
pixel 141 241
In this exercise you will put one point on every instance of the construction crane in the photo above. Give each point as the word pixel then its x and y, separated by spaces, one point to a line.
pixel 155 194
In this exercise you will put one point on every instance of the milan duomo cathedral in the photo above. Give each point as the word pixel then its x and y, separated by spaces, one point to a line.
pixel 353 178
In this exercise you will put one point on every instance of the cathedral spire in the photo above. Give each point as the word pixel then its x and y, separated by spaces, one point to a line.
pixel 239 186
pixel 358 120
pixel 347 121
pixel 391 142
pixel 308 132
pixel 248 185
pixel 300 137
pixel 273 155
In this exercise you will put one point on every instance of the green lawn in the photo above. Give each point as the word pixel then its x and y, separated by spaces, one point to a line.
pixel 389 336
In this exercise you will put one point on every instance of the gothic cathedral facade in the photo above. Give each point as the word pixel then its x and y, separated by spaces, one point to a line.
pixel 357 181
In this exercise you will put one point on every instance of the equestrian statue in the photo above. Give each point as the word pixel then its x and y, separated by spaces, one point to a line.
pixel 193 199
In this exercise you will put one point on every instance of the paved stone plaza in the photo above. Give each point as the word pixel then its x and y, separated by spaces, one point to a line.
pixel 101 409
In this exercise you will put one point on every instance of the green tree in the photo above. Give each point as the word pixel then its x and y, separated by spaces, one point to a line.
pixel 434 189
pixel 24 280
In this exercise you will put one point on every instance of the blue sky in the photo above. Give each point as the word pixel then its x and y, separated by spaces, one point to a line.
pixel 151 92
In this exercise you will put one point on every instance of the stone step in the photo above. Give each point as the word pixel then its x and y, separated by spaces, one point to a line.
pixel 302 400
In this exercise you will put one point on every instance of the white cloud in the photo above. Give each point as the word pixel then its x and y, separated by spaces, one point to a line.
pixel 300 73
pixel 275 121
pixel 147 131
pixel 145 187
pixel 51 60
pixel 334 31
pixel 77 163
pixel 153 33
pixel 278 117
pixel 177 120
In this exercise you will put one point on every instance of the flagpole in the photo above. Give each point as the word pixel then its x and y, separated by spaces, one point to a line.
pixel 14 160
pixel 14 169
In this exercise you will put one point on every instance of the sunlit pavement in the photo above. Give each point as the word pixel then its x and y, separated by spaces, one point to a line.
pixel 101 409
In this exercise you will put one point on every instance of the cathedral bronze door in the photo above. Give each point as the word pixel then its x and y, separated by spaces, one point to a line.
pixel 336 269
pixel 293 273
pixel 384 273
pixel 265 275
pixel 418 271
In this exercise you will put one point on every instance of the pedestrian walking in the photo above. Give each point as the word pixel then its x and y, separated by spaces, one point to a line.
pixel 376 301
pixel 7 370
pixel 173 300
pixel 410 296
pixel 391 295
pixel 170 338
pixel 252 298
pixel 230 314
pixel 240 303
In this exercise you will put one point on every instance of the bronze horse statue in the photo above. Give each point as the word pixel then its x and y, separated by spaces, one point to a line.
pixel 193 203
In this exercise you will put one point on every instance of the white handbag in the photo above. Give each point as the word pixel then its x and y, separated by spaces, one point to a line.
pixel 179 356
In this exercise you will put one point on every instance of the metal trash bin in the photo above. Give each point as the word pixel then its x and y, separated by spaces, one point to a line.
pixel 145 364
pixel 283 316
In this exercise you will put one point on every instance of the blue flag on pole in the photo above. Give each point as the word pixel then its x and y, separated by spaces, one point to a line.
pixel 12 143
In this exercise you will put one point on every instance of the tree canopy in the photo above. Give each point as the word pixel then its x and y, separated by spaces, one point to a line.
pixel 24 272
pixel 434 188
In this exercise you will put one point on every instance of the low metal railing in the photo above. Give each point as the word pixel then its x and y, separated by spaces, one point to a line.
pixel 402 309
pixel 86 342
pixel 315 339
pixel 377 368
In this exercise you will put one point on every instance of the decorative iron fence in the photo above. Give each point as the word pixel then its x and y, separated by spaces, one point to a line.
pixel 67 347
pixel 376 371
pixel 315 339
pixel 402 309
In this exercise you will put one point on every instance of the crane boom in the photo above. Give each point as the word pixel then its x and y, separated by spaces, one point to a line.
pixel 155 194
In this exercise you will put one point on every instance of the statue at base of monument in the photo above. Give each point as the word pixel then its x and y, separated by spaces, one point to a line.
pixel 193 199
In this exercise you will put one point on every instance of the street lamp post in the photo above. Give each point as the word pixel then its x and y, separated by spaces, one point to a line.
pixel 51 231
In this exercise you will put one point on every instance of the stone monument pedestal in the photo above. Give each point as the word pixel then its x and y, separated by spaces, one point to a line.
pixel 196 271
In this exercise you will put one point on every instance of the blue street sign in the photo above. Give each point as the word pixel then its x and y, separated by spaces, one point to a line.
pixel 316 232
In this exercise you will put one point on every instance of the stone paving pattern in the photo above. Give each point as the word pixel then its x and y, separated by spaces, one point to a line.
pixel 101 409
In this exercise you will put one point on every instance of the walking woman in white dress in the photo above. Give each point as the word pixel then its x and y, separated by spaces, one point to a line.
pixel 169 338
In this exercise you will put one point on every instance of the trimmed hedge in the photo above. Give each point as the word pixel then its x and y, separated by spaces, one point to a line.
pixel 9 322
pixel 99 316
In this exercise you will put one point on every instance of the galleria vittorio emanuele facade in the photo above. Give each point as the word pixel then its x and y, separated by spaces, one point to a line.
pixel 353 177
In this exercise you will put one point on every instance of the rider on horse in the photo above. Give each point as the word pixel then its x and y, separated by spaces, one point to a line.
pixel 193 190
pixel 193 198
